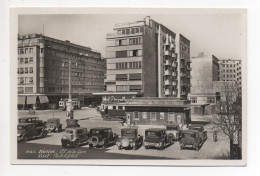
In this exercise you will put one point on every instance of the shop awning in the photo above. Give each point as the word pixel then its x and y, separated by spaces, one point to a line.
pixel 43 99
pixel 135 86
pixel 31 99
pixel 21 100
pixel 121 76
pixel 135 76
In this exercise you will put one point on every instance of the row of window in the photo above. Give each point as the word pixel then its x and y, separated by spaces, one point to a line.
pixel 25 50
pixel 209 100
pixel 26 90
pixel 74 89
pixel 230 65
pixel 162 115
pixel 229 76
pixel 25 60
pixel 128 53
pixel 128 65
pixel 130 30
pixel 130 41
pixel 25 70
pixel 132 88
pixel 25 80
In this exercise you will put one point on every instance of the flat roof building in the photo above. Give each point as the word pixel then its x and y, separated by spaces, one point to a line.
pixel 43 70
pixel 142 56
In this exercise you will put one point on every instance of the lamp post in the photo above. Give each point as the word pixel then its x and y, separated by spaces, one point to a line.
pixel 69 106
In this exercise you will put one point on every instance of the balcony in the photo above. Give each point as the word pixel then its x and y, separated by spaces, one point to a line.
pixel 174 92
pixel 167 53
pixel 182 65
pixel 172 46
pixel 167 82
pixel 167 72
pixel 167 62
pixel 174 74
pixel 174 64
pixel 174 83
pixel 167 92
pixel 182 74
pixel 189 69
pixel 115 35
pixel 174 55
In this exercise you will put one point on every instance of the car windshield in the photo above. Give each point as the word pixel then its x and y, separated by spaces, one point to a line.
pixel 128 132
pixel 171 127
pixel 20 127
pixel 152 133
pixel 69 131
pixel 188 135
pixel 96 132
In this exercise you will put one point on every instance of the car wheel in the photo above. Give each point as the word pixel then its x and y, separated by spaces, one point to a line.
pixel 135 146
pixel 64 143
pixel 162 147
pixel 25 138
pixel 105 144
pixel 90 145
pixel 44 134
pixel 76 143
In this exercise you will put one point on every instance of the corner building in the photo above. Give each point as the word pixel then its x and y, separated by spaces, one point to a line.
pixel 142 57
pixel 43 70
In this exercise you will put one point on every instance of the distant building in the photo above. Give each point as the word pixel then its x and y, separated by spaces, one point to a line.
pixel 230 71
pixel 43 69
pixel 143 57
pixel 205 71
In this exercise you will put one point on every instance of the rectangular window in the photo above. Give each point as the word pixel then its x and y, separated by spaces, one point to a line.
pixel 26 70
pixel 136 116
pixel 31 50
pixel 42 50
pixel 171 117
pixel 28 89
pixel 31 60
pixel 21 80
pixel 141 29
pixel 127 31
pixel 31 69
pixel 122 88
pixel 135 52
pixel 135 76
pixel 137 30
pixel 26 50
pixel 21 71
pixel 193 99
pixel 144 115
pixel 152 115
pixel 31 79
pixel 161 115
pixel 119 32
pixel 21 51
pixel 21 60
pixel 26 80
pixel 26 60
pixel 210 99
pixel 120 54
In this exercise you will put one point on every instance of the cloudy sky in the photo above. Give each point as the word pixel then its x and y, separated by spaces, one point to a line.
pixel 218 33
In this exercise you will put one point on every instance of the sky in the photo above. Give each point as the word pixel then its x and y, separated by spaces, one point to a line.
pixel 220 34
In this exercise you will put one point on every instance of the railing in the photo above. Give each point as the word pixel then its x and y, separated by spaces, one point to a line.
pixel 167 52
pixel 167 62
pixel 167 92
pixel 119 35
pixel 174 64
pixel 167 72
pixel 122 25
pixel 167 82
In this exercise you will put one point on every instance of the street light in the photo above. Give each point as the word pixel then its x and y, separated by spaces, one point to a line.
pixel 69 106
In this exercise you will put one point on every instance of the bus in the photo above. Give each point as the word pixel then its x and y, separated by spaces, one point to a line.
pixel 75 102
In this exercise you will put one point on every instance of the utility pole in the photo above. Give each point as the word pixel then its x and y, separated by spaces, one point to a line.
pixel 69 106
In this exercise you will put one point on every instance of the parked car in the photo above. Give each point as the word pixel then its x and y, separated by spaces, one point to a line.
pixel 157 137
pixel 190 138
pixel 35 120
pixel 130 139
pixel 27 131
pixel 72 123
pixel 102 136
pixel 173 130
pixel 53 125
pixel 74 137
pixel 200 129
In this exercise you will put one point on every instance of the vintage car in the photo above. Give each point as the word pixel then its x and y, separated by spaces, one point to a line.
pixel 173 130
pixel 53 125
pixel 200 129
pixel 190 138
pixel 74 137
pixel 27 131
pixel 157 137
pixel 72 123
pixel 130 139
pixel 35 120
pixel 102 136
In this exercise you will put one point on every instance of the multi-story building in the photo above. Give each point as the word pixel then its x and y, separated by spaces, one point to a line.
pixel 230 70
pixel 43 70
pixel 142 57
pixel 205 71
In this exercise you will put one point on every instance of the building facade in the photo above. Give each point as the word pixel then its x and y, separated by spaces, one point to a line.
pixel 43 70
pixel 230 70
pixel 205 72
pixel 142 57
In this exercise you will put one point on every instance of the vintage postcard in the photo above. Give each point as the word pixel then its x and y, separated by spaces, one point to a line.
pixel 129 86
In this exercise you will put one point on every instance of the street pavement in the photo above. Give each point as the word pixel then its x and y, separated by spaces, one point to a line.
pixel 50 147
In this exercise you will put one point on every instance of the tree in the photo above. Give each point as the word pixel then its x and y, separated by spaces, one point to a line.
pixel 227 114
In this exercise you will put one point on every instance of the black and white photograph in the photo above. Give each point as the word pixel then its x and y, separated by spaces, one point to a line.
pixel 129 86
